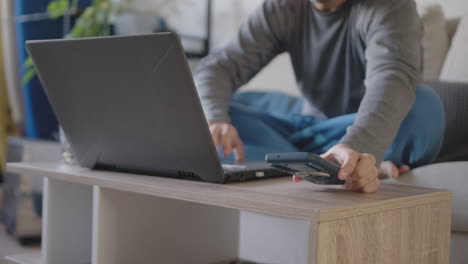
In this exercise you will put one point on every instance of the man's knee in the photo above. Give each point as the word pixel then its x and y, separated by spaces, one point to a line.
pixel 427 112
pixel 426 97
pixel 425 126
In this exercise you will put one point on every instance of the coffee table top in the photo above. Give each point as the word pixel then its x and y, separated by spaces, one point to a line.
pixel 279 197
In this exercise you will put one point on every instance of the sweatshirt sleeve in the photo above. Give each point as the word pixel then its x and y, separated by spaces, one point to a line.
pixel 257 43
pixel 392 32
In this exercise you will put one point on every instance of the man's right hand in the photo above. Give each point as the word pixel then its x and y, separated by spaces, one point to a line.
pixel 226 135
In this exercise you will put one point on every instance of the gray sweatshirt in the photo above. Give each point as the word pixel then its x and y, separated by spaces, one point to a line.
pixel 365 57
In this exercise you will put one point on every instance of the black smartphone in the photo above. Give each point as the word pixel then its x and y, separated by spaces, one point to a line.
pixel 309 166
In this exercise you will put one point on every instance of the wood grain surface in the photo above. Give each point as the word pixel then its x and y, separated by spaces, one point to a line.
pixel 411 235
pixel 278 197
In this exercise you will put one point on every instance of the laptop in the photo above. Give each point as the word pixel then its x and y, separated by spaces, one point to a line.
pixel 129 104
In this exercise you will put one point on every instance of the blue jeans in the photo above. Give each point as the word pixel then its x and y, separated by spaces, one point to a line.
pixel 272 122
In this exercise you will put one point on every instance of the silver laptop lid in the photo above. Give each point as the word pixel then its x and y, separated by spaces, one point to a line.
pixel 128 102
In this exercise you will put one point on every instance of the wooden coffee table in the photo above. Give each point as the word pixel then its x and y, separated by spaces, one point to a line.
pixel 106 217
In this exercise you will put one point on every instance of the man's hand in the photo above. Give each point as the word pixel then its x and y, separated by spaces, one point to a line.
pixel 357 169
pixel 226 135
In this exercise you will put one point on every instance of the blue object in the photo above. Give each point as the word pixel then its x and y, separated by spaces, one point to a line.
pixel 272 122
pixel 40 121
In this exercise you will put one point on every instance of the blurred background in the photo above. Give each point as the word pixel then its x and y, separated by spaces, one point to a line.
pixel 203 25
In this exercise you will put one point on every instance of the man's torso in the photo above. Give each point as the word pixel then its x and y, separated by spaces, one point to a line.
pixel 327 53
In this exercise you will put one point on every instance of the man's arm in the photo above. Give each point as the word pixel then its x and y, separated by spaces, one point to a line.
pixel 393 34
pixel 258 42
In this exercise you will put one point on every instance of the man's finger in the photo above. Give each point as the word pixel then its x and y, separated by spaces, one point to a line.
pixel 371 187
pixel 349 183
pixel 363 181
pixel 330 156
pixel 350 160
pixel 215 131
pixel 365 171
pixel 365 168
pixel 226 143
pixel 239 150
pixel 326 155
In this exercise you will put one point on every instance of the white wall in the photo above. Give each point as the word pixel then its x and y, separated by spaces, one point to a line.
pixel 229 15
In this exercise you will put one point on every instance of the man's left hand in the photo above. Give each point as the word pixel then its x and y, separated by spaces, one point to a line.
pixel 357 169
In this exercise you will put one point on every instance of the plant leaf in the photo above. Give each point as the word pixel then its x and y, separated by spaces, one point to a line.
pixel 28 63
pixel 57 8
pixel 30 74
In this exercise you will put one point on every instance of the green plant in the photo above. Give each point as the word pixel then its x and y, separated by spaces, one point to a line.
pixel 94 21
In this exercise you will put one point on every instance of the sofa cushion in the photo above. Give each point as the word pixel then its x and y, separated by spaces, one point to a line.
pixel 455 66
pixel 435 40
pixel 458 252
pixel 450 176
pixel 454 96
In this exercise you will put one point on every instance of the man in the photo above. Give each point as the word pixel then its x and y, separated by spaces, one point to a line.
pixel 348 56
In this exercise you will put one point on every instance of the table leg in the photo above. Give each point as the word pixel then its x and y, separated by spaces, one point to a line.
pixel 67 222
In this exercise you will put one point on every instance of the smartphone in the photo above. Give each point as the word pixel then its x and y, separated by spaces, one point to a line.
pixel 309 166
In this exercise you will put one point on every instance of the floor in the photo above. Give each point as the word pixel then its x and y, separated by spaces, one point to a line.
pixel 9 246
